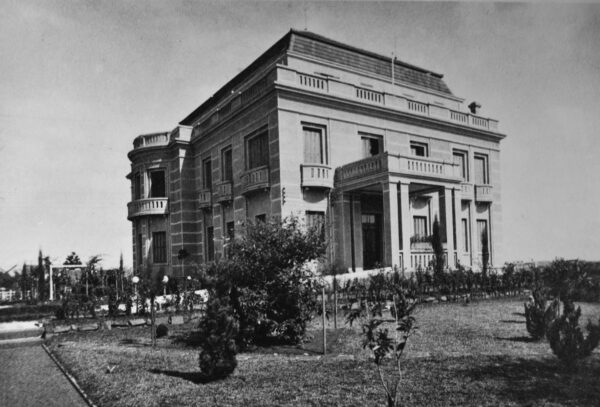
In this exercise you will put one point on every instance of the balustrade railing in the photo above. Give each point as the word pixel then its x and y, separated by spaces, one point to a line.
pixel 254 179
pixel 369 95
pixel 224 191
pixel 483 193
pixel 151 140
pixel 205 198
pixel 418 107
pixel 149 206
pixel 309 81
pixel 316 176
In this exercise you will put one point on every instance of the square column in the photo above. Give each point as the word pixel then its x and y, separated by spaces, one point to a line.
pixel 459 244
pixel 406 225
pixel 391 226
pixel 451 254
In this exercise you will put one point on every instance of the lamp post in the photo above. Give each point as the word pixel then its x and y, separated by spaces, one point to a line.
pixel 165 280
pixel 135 280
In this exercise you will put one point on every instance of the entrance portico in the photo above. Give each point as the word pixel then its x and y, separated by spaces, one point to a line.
pixel 385 208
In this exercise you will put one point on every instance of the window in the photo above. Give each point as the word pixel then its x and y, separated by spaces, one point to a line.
pixel 419 149
pixel 482 233
pixel 481 170
pixel 316 220
pixel 157 184
pixel 465 233
pixel 137 186
pixel 159 247
pixel 315 145
pixel 210 243
pixel 371 145
pixel 226 165
pixel 139 250
pixel 262 218
pixel 460 159
pixel 257 151
pixel 207 173
pixel 420 225
pixel 230 228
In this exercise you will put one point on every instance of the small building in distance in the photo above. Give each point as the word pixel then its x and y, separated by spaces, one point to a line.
pixel 330 133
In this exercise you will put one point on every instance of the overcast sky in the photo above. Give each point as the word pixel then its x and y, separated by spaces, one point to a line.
pixel 79 80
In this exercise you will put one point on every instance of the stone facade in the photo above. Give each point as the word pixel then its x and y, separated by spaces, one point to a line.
pixel 324 131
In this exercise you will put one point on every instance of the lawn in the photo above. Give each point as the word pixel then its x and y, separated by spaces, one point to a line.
pixel 474 355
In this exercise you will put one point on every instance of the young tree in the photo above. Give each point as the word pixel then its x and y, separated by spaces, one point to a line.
pixel 485 252
pixel 438 251
pixel 41 277
pixel 72 259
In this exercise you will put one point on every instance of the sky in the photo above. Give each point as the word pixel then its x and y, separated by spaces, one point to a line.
pixel 79 80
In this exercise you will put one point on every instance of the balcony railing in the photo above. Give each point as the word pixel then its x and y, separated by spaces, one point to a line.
pixel 466 189
pixel 483 193
pixel 224 192
pixel 151 140
pixel 255 179
pixel 316 176
pixel 146 207
pixel 205 198
pixel 421 259
pixel 380 96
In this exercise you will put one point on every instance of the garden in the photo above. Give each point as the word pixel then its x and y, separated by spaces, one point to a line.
pixel 273 334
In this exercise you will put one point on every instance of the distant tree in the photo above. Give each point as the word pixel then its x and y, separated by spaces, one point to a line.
pixel 41 273
pixel 438 252
pixel 72 259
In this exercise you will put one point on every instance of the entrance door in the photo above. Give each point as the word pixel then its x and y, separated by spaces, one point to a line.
pixel 371 232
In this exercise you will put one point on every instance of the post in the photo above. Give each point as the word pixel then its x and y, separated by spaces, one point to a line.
pixel 335 303
pixel 324 327
pixel 51 285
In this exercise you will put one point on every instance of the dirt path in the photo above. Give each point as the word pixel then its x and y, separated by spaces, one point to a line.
pixel 28 377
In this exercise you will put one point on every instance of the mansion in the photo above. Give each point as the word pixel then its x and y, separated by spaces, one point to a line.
pixel 373 149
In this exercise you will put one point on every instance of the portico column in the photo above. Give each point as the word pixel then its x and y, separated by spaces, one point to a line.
pixel 449 228
pixel 473 238
pixel 459 244
pixel 406 225
pixel 390 221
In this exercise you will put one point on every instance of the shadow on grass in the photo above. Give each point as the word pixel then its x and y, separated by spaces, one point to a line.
pixel 512 321
pixel 194 377
pixel 519 314
pixel 535 381
pixel 525 339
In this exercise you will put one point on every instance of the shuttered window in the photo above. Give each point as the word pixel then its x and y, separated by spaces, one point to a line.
pixel 420 225
pixel 207 173
pixel 257 151
pixel 481 170
pixel 226 165
pixel 460 159
pixel 159 247
pixel 315 146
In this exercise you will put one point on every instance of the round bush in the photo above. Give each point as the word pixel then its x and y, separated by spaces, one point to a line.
pixel 162 330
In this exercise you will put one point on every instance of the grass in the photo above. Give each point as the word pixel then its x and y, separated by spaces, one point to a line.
pixel 464 355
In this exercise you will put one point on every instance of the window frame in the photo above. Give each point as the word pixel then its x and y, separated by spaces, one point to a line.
pixel 207 175
pixel 323 144
pixel 486 169
pixel 264 155
pixel 370 137
pixel 151 192
pixel 159 247
pixel 419 144
pixel 465 167
pixel 316 220
pixel 227 167
pixel 425 224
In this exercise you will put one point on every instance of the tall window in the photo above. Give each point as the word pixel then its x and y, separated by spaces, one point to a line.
pixel 262 218
pixel 315 145
pixel 482 234
pixel 207 173
pixel 157 184
pixel 460 159
pixel 226 165
pixel 137 186
pixel 257 151
pixel 139 250
pixel 465 233
pixel 419 149
pixel 420 225
pixel 371 145
pixel 210 243
pixel 159 247
pixel 481 170
pixel 230 229
pixel 316 220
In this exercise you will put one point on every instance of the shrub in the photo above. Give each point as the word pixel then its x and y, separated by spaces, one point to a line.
pixel 567 339
pixel 218 331
pixel 539 315
pixel 162 330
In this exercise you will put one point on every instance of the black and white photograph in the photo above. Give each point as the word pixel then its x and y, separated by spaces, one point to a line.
pixel 299 203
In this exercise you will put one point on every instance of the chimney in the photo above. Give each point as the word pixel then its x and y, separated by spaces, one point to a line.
pixel 474 107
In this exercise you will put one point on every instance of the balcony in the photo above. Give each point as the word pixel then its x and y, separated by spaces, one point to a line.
pixel 483 193
pixel 415 167
pixel 255 179
pixel 147 207
pixel 316 176
pixel 466 189
pixel 205 199
pixel 224 192
pixel 151 140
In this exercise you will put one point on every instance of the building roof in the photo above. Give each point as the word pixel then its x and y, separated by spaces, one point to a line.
pixel 308 44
